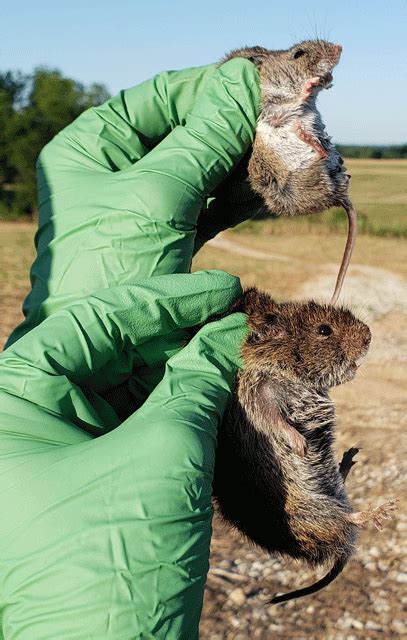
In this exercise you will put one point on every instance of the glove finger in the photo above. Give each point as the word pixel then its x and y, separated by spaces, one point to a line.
pixel 109 228
pixel 46 366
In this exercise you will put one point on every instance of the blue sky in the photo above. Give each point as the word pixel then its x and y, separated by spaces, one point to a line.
pixel 121 43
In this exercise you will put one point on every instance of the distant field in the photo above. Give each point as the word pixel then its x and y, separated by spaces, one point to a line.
pixel 379 193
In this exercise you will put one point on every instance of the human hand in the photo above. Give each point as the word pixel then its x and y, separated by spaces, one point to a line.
pixel 108 537
pixel 123 191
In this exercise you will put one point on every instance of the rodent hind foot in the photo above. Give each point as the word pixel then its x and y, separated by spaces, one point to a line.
pixel 347 462
pixel 377 515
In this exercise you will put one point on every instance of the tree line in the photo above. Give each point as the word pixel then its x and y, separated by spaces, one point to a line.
pixel 378 152
pixel 35 107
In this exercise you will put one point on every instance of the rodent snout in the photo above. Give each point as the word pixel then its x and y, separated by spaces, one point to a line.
pixel 367 337
pixel 364 343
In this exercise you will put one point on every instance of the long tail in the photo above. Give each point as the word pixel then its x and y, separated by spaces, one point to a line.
pixel 350 243
pixel 333 573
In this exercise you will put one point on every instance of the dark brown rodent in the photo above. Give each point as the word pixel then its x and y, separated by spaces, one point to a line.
pixel 294 166
pixel 276 477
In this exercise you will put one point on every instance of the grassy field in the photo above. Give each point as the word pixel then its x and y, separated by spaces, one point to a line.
pixel 378 191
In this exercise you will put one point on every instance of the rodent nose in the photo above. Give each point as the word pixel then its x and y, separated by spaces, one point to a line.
pixel 367 338
pixel 338 48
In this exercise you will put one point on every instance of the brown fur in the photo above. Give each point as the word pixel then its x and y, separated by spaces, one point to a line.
pixel 276 477
pixel 321 184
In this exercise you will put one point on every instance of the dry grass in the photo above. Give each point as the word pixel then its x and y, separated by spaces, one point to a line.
pixel 16 255
pixel 379 192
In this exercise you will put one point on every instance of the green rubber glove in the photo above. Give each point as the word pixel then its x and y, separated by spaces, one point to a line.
pixel 108 537
pixel 132 188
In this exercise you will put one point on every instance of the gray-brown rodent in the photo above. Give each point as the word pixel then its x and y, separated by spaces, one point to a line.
pixel 276 478
pixel 296 173
pixel 294 166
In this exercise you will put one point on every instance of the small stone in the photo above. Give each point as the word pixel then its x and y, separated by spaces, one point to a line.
pixel 235 623
pixel 356 624
pixel 402 577
pixel 381 606
pixel 237 596
pixel 275 627
pixel 399 627
pixel 343 623
pixel 373 626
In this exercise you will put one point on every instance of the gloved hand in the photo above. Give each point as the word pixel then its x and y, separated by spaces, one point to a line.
pixel 132 188
pixel 108 537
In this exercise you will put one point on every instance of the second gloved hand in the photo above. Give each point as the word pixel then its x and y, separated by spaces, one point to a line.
pixel 108 537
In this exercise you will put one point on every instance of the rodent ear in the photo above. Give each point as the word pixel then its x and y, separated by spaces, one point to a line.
pixel 257 55
pixel 258 59
pixel 263 312
pixel 255 302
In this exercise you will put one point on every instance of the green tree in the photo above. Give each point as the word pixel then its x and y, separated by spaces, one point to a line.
pixel 11 92
pixel 35 110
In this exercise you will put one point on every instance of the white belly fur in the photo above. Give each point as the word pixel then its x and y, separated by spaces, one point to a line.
pixel 292 151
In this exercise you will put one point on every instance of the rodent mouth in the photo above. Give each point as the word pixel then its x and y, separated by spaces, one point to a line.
pixel 327 79
pixel 348 373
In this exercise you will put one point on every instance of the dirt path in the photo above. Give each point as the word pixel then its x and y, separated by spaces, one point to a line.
pixel 226 244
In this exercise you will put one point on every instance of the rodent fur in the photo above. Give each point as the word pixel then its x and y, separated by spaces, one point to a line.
pixel 286 493
pixel 294 175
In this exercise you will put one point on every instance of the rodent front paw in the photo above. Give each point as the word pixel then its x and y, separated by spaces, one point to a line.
pixel 308 87
pixel 298 443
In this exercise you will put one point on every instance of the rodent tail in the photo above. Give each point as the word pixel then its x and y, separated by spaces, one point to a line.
pixel 317 586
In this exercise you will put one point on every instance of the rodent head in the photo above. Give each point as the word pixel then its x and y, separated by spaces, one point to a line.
pixel 283 73
pixel 316 56
pixel 319 345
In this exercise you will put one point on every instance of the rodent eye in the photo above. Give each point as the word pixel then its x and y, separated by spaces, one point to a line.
pixel 253 338
pixel 298 53
pixel 271 318
pixel 324 330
